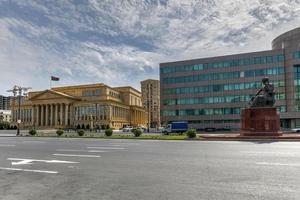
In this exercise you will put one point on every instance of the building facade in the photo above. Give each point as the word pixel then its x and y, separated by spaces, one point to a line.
pixel 210 92
pixel 5 116
pixel 83 106
pixel 151 101
pixel 4 102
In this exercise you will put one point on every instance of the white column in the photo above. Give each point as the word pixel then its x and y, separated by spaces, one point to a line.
pixel 32 115
pixel 66 114
pixel 38 119
pixel 51 114
pixel 61 114
pixel 42 115
pixel 47 115
pixel 56 115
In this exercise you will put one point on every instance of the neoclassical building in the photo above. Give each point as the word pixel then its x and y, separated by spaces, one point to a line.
pixel 83 105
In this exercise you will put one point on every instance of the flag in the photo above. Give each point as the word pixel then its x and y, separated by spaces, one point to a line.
pixel 53 78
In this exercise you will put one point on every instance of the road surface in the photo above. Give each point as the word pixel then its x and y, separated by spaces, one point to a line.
pixel 111 169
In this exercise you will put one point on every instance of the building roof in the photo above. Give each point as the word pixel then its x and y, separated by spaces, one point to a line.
pixel 80 86
pixel 54 92
pixel 219 58
pixel 126 88
pixel 149 80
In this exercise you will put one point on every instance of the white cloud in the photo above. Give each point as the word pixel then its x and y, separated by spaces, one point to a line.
pixel 123 42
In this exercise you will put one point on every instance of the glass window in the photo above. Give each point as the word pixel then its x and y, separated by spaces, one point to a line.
pixel 296 55
pixel 257 60
pixel 269 59
pixel 263 60
pixel 280 58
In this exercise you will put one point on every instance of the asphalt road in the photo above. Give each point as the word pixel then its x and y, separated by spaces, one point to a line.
pixel 77 169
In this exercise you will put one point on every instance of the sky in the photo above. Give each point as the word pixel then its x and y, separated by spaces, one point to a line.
pixel 122 42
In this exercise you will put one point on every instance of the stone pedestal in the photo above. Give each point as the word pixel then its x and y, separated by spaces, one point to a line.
pixel 263 121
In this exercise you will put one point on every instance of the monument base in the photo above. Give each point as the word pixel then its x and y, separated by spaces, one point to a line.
pixel 262 121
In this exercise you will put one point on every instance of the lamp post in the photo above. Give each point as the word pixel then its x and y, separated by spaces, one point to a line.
pixel 19 91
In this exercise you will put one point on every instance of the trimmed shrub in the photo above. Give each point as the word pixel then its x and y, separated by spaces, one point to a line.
pixel 191 133
pixel 103 126
pixel 4 125
pixel 32 132
pixel 59 132
pixel 80 132
pixel 108 132
pixel 136 132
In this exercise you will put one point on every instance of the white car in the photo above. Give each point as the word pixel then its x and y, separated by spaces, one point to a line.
pixel 296 130
pixel 141 129
pixel 127 129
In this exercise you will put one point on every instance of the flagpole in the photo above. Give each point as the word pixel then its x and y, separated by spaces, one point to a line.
pixel 50 83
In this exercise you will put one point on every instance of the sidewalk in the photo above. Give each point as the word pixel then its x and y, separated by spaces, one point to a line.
pixel 237 136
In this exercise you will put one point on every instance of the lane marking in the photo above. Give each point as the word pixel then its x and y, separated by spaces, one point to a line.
pixel 33 142
pixel 7 145
pixel 113 148
pixel 121 144
pixel 75 155
pixel 23 161
pixel 279 164
pixel 271 153
pixel 28 170
pixel 75 150
pixel 96 151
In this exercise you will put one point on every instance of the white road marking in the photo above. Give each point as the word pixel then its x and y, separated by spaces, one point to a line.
pixel 34 142
pixel 75 150
pixel 28 170
pixel 74 155
pixel 7 145
pixel 271 153
pixel 113 148
pixel 121 144
pixel 30 161
pixel 96 151
pixel 279 164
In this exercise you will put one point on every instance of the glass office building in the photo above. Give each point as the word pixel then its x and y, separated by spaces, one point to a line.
pixel 210 92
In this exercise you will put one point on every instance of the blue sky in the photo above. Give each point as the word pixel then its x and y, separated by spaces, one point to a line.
pixel 123 42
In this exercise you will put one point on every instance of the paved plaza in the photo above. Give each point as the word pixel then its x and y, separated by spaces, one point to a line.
pixel 110 169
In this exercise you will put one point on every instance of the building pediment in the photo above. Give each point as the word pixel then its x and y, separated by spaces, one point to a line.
pixel 50 94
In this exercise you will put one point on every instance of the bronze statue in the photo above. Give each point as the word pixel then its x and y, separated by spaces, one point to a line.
pixel 265 97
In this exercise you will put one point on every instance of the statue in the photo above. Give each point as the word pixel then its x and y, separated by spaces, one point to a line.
pixel 261 117
pixel 265 97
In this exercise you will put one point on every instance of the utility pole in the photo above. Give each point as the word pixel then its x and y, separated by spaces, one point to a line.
pixel 18 92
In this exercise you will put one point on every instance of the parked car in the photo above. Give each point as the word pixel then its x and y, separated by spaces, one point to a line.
pixel 127 129
pixel 296 130
pixel 141 128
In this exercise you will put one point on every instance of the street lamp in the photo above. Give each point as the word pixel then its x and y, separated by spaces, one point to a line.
pixel 19 91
